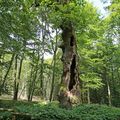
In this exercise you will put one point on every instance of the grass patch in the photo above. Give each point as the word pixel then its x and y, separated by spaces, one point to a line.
pixel 23 110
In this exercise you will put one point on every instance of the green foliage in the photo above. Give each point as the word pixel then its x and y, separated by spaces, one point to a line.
pixel 51 111
pixel 91 80
pixel 80 14
pixel 5 115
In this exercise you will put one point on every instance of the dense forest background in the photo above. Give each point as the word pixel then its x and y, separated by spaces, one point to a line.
pixel 30 49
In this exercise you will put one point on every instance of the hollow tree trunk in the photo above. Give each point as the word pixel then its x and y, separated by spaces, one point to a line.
pixel 69 90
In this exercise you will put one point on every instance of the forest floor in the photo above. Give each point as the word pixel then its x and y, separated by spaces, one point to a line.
pixel 24 110
pixel 10 97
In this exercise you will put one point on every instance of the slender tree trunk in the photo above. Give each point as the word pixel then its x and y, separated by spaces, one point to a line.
pixel 33 77
pixel 15 80
pixel 113 82
pixel 53 77
pixel 33 85
pixel 42 64
pixel 70 90
pixel 54 65
pixel 8 70
pixel 1 76
pixel 88 96
pixel 19 77
pixel 29 84
pixel 109 93
pixel 41 76
pixel 23 89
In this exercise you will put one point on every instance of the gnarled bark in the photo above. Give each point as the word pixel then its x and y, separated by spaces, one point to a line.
pixel 70 90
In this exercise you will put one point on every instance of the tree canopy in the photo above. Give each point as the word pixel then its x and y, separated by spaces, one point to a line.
pixel 31 31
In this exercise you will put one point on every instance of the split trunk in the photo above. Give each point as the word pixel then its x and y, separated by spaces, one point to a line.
pixel 69 94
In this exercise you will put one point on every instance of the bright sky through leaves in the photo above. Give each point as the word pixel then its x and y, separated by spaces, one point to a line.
pixel 98 4
pixel 101 6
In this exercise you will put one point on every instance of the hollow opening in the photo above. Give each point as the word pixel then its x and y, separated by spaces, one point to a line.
pixel 72 40
pixel 72 74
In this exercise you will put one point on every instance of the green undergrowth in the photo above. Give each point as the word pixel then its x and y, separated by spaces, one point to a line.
pixel 19 110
